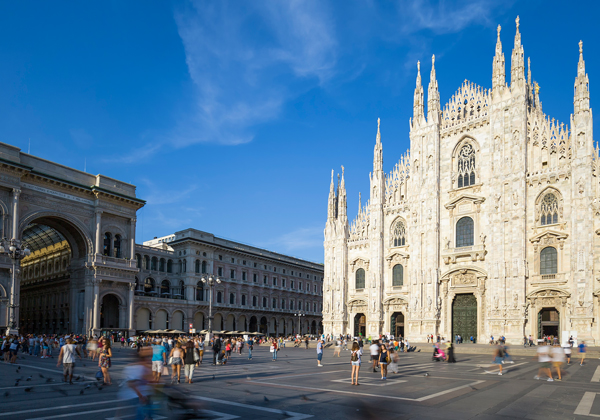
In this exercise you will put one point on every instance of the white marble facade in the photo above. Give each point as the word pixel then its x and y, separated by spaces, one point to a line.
pixel 495 206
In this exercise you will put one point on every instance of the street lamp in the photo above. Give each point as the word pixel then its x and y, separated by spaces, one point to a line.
pixel 210 280
pixel 15 251
pixel 299 314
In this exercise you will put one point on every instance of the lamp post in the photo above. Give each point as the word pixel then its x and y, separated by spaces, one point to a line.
pixel 299 314
pixel 210 280
pixel 15 250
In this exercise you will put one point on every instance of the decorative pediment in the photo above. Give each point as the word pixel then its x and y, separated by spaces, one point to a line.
pixel 395 301
pixel 466 198
pixel 548 293
pixel 359 263
pixel 464 276
pixel 549 237
pixel 397 257
pixel 356 302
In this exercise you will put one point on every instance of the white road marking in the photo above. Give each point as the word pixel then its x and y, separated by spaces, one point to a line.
pixel 585 405
pixel 26 385
pixel 290 414
pixel 506 368
pixel 78 413
pixel 596 377
pixel 372 381
pixel 427 397
pixel 37 410
pixel 57 371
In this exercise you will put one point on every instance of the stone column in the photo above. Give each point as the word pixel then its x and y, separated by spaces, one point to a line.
pixel 96 299
pixel 88 306
pixel 99 232
pixel 131 308
pixel 15 212
pixel 132 222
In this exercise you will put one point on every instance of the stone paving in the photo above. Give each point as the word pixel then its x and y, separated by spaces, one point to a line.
pixel 294 387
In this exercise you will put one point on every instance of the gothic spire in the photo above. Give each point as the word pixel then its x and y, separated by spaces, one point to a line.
pixel 359 203
pixel 499 67
pixel 581 101
pixel 433 96
pixel 418 111
pixel 517 66
pixel 342 206
pixel 378 152
pixel 331 202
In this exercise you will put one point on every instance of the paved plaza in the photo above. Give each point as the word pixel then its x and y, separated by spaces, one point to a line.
pixel 294 387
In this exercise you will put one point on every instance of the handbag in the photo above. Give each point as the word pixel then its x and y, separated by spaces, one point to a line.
pixel 272 349
pixel 196 355
pixel 170 362
pixel 165 371
pixel 99 375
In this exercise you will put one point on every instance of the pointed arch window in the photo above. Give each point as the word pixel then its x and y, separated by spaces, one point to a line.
pixel 398 275
pixel 360 278
pixel 466 166
pixel 548 261
pixel 399 234
pixel 464 232
pixel 549 210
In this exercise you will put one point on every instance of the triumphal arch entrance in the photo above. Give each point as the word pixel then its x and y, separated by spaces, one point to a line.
pixel 79 229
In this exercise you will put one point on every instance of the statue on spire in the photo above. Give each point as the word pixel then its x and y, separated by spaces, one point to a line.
pixel 582 85
pixel 498 66
pixel 517 65
pixel 433 96
pixel 418 103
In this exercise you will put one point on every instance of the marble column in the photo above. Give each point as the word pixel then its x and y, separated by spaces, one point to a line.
pixel 132 223
pixel 99 232
pixel 15 212
pixel 131 307
pixel 88 306
pixel 96 299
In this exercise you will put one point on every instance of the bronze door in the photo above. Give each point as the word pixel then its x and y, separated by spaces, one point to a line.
pixel 464 317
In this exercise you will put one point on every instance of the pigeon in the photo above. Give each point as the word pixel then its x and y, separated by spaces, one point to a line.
pixel 29 389
pixel 81 392
pixel 84 365
pixel 266 399
pixel 18 369
pixel 87 387
pixel 78 378
pixel 7 394
pixel 427 374
pixel 214 377
pixel 41 376
pixel 304 398
pixel 28 379
pixel 100 388
pixel 49 380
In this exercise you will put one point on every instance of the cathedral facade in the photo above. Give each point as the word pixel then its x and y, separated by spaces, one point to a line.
pixel 488 226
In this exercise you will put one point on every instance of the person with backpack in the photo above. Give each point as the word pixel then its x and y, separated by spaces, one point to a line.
pixel 355 359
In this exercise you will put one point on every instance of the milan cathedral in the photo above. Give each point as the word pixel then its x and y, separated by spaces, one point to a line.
pixel 488 226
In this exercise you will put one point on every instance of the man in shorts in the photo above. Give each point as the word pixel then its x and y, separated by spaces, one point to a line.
pixel 582 349
pixel 67 358
pixel 159 359
pixel 558 358
pixel 374 349
pixel 544 359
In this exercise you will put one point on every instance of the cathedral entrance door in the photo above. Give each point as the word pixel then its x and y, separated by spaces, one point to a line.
pixel 397 325
pixel 464 316
pixel 360 325
pixel 548 322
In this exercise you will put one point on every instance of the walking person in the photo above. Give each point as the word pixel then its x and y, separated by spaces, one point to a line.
pixel 274 349
pixel 558 358
pixel 250 344
pixel 374 349
pixel 338 348
pixel 216 347
pixel 582 349
pixel 498 358
pixel 159 359
pixel 104 360
pixel 544 360
pixel 189 360
pixel 384 360
pixel 176 360
pixel 355 359
pixel 568 349
pixel 67 358
pixel 319 352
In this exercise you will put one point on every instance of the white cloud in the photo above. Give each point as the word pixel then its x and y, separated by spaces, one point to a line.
pixel 244 59
pixel 298 239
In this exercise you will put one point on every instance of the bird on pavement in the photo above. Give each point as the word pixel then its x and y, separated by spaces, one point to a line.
pixel 41 376
pixel 29 389
pixel 7 394
pixel 29 378
pixel 266 399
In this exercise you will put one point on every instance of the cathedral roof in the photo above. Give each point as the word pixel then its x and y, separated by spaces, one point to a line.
pixel 470 102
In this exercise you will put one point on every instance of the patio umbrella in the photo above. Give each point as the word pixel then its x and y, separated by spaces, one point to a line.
pixel 175 332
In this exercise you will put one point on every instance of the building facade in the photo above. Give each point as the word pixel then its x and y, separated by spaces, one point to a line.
pixel 260 290
pixel 488 225
pixel 86 274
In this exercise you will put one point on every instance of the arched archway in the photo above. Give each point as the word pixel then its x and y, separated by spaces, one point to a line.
pixel 464 316
pixel 360 325
pixel 548 322
pixel 177 321
pixel 143 319
pixel 230 324
pixel 53 275
pixel 263 327
pixel 109 311
pixel 397 324
pixel 253 325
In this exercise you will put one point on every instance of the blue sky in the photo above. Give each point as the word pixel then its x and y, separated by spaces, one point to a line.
pixel 230 115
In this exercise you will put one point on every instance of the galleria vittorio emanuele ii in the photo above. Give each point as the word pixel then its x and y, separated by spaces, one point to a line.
pixel 487 226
